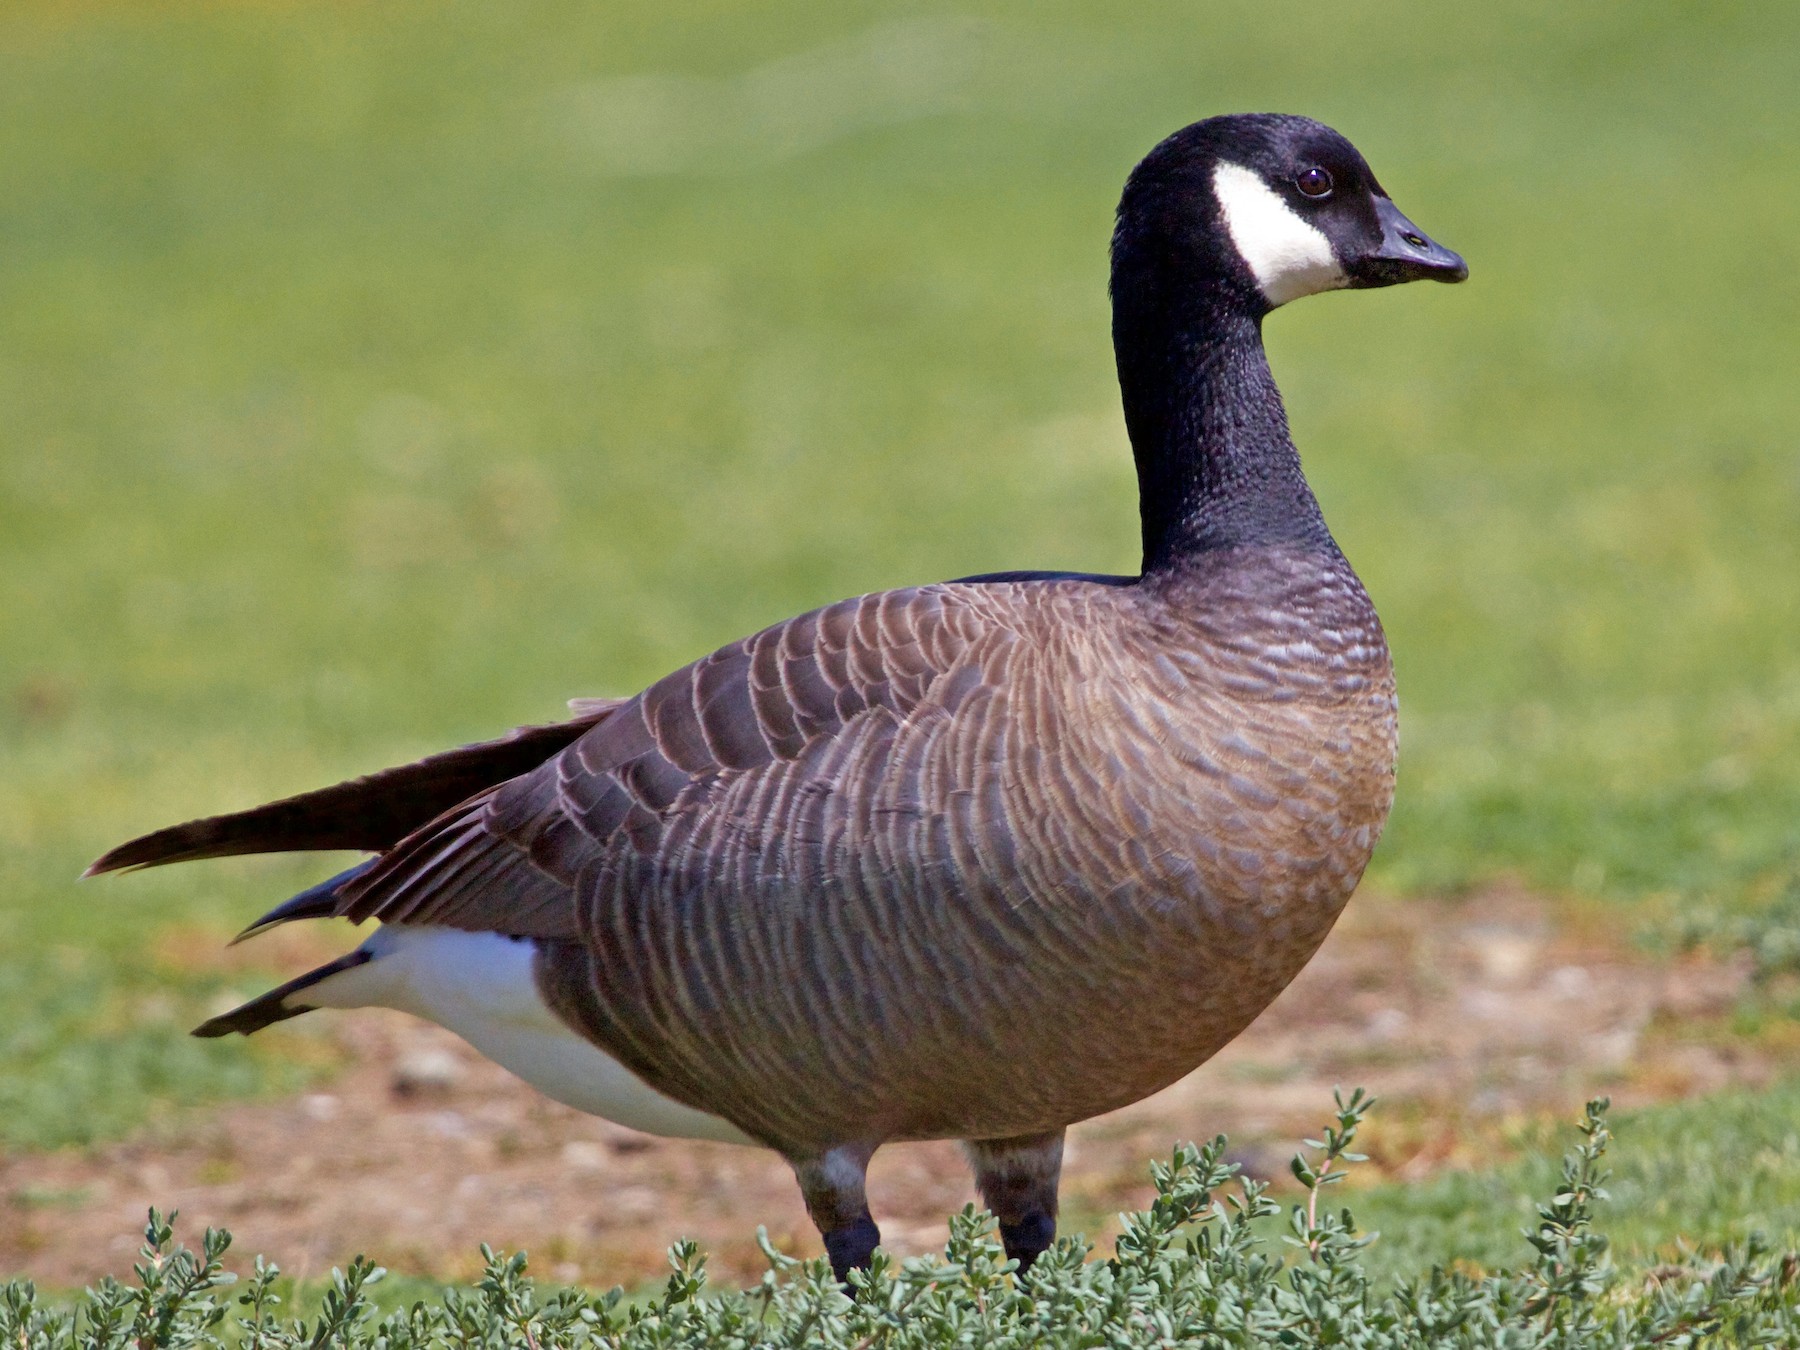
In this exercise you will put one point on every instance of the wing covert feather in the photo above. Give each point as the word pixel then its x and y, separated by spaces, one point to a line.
pixel 721 767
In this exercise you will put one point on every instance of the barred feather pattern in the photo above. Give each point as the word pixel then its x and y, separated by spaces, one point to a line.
pixel 968 860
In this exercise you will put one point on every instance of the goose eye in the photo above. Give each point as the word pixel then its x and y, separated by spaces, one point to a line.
pixel 1314 182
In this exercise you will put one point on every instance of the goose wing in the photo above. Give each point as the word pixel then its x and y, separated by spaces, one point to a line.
pixel 739 770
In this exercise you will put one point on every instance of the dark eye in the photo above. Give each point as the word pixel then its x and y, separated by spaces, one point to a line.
pixel 1314 182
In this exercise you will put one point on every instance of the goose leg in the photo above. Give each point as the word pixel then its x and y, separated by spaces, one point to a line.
pixel 1017 1178
pixel 835 1188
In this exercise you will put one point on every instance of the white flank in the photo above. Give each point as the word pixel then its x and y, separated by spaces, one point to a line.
pixel 1288 257
pixel 479 985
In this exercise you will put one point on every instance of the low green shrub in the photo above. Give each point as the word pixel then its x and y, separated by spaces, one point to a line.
pixel 1198 1268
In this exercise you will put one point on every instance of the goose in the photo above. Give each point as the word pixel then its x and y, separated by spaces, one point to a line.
pixel 973 861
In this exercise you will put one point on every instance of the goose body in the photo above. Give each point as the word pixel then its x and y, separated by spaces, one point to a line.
pixel 974 860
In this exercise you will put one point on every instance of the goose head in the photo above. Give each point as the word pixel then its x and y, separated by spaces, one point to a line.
pixel 1269 208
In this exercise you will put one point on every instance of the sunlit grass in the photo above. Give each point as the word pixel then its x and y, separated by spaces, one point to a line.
pixel 1697 1175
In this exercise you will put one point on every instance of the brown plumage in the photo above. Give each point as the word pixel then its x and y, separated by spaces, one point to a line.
pixel 974 824
pixel 973 860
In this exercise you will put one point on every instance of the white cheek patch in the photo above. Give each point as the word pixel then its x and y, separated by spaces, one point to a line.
pixel 1288 257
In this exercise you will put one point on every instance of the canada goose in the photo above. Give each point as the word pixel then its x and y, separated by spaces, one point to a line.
pixel 974 860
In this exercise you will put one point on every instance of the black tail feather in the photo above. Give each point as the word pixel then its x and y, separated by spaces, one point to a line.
pixel 366 814
pixel 315 902
pixel 273 1007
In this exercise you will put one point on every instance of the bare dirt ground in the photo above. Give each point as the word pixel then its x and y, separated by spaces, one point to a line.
pixel 1469 1018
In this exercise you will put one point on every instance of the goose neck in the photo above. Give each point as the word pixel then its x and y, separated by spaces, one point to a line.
pixel 1217 467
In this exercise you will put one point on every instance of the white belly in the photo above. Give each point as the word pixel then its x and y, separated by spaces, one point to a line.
pixel 479 986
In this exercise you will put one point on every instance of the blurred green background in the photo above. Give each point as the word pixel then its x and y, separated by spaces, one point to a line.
pixel 375 377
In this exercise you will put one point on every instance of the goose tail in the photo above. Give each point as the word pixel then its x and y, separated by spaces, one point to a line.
pixel 315 902
pixel 367 815
pixel 282 1002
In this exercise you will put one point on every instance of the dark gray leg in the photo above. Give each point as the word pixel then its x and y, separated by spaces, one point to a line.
pixel 1017 1178
pixel 834 1187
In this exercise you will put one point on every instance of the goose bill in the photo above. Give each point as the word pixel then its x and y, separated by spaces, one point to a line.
pixel 1405 253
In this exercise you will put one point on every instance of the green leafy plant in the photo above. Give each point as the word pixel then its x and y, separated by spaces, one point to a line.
pixel 1197 1268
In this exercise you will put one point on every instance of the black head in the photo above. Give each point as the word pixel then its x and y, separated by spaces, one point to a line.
pixel 1277 207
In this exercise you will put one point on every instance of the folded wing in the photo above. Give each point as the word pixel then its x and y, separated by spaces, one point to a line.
pixel 763 729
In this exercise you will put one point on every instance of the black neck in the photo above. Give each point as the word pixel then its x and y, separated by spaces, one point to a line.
pixel 1216 465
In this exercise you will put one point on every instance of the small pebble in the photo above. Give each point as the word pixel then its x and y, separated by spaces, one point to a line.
pixel 1570 982
pixel 1507 958
pixel 1386 1023
pixel 584 1155
pixel 426 1073
pixel 448 1125
pixel 634 1204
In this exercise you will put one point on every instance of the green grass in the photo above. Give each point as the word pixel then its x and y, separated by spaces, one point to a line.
pixel 1693 1175
pixel 376 377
